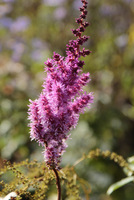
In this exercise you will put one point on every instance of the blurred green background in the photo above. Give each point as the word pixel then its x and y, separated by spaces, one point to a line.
pixel 29 33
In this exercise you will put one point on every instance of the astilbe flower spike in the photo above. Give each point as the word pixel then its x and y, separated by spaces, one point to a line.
pixel 62 99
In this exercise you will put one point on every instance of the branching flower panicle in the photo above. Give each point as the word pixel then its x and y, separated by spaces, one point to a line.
pixel 62 99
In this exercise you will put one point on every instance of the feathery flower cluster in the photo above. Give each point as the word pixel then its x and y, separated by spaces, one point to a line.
pixel 62 99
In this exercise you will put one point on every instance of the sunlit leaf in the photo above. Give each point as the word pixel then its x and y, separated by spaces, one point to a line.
pixel 119 184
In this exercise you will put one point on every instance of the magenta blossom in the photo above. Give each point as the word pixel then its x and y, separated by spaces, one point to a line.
pixel 62 99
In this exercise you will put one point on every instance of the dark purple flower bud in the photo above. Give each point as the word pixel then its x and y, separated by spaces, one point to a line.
pixel 71 49
pixel 85 6
pixel 80 41
pixel 78 21
pixel 49 64
pixel 81 63
pixel 85 12
pixel 82 29
pixel 85 38
pixel 82 9
pixel 85 24
pixel 83 16
pixel 74 31
pixel 75 69
pixel 56 57
pixel 84 2
pixel 81 53
pixel 87 52
pixel 84 79
pixel 78 34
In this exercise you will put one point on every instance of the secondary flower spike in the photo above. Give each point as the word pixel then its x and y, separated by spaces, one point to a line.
pixel 62 99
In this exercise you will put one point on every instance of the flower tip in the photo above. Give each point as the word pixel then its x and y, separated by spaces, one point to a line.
pixel 56 56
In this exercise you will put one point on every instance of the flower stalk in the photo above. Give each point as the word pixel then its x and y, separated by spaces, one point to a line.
pixel 57 184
